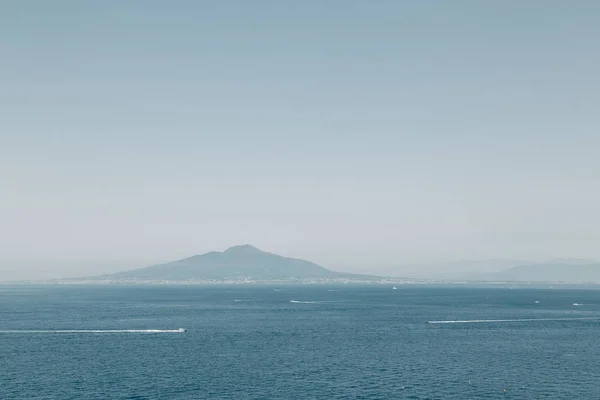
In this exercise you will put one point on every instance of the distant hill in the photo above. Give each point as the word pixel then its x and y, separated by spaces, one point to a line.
pixel 572 272
pixel 238 262
pixel 465 269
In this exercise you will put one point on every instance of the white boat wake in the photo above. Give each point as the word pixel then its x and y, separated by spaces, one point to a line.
pixel 478 321
pixel 180 330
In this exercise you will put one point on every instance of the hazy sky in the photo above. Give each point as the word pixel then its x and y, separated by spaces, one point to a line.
pixel 351 133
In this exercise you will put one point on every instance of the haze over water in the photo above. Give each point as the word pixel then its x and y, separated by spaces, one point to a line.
pixel 353 134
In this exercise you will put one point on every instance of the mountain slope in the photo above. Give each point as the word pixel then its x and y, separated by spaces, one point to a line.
pixel 234 263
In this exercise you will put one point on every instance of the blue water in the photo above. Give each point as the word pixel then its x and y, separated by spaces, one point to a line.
pixel 333 342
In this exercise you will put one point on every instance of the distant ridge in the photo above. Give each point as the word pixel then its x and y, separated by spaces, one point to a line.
pixel 244 262
pixel 571 271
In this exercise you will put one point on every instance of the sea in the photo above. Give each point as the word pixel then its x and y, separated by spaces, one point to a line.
pixel 298 342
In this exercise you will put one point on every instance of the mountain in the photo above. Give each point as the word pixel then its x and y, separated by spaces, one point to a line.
pixel 577 271
pixel 238 262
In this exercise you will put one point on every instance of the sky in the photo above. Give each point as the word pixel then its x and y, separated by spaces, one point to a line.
pixel 356 134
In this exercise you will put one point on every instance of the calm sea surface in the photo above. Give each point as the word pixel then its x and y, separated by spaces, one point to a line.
pixel 298 342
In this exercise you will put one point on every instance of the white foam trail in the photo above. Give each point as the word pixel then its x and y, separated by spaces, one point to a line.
pixel 478 321
pixel 180 330
pixel 322 301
